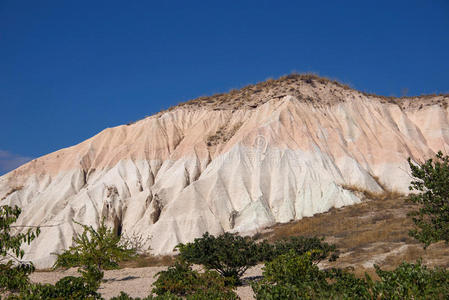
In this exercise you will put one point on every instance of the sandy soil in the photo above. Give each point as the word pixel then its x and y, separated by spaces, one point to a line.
pixel 136 282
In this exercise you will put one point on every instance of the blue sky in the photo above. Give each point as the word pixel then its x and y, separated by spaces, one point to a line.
pixel 69 69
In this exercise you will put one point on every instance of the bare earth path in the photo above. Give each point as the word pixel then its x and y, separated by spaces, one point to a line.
pixel 136 282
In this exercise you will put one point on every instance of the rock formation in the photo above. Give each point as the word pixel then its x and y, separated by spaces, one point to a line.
pixel 272 152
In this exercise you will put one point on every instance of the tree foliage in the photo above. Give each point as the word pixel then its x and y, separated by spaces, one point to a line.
pixel 431 182
pixel 412 281
pixel 13 271
pixel 228 254
pixel 291 276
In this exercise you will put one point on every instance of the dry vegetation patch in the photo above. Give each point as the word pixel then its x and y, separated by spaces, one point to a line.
pixel 147 260
pixel 11 191
pixel 222 135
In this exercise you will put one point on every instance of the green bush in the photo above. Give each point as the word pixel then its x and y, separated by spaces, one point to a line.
pixel 182 281
pixel 228 254
pixel 290 275
pixel 293 269
pixel 68 287
pixel 346 285
pixel 94 251
pixel 299 245
pixel 412 281
pixel 276 291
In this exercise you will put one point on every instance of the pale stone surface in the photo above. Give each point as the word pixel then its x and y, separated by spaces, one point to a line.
pixel 180 173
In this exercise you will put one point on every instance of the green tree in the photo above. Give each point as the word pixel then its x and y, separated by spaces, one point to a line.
pixel 228 254
pixel 431 182
pixel 13 271
pixel 94 251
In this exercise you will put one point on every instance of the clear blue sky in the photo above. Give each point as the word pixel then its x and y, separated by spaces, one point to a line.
pixel 69 69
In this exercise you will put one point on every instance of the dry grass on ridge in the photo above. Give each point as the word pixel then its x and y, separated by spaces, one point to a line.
pixel 255 95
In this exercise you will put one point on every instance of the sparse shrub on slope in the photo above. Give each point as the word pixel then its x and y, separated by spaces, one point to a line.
pixel 316 246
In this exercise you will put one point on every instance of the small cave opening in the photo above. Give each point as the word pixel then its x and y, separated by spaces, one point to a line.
pixel 118 226
pixel 157 209
pixel 119 229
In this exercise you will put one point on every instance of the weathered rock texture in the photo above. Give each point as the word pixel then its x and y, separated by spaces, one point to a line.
pixel 272 152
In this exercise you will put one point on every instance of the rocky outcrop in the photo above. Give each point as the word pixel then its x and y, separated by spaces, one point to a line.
pixel 269 153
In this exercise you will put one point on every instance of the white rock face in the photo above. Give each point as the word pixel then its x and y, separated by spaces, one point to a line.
pixel 178 174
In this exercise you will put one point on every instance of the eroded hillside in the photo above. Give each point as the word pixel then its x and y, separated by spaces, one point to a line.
pixel 270 153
